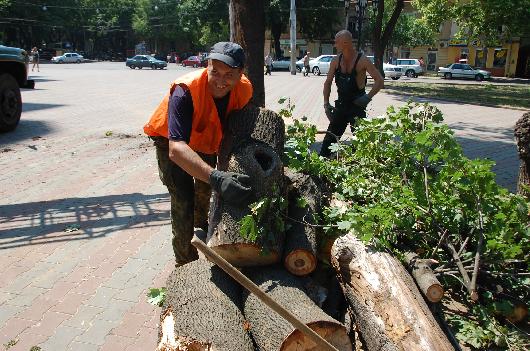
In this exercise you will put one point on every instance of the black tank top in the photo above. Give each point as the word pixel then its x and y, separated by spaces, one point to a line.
pixel 347 88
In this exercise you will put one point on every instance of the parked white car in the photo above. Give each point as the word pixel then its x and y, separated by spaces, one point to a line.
pixel 320 64
pixel 411 67
pixel 459 70
pixel 71 57
pixel 391 71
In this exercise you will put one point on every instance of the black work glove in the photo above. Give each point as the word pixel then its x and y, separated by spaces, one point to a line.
pixel 362 101
pixel 231 186
pixel 329 110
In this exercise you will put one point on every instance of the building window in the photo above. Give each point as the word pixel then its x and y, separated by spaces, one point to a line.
pixel 405 53
pixel 499 59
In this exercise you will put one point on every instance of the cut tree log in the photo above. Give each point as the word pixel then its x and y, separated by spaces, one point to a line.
pixel 251 124
pixel 305 196
pixel 389 311
pixel 424 276
pixel 202 311
pixel 271 332
pixel 264 167
pixel 522 138
pixel 252 145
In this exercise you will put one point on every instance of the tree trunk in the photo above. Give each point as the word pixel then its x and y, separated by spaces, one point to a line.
pixel 271 332
pixel 202 311
pixel 300 252
pixel 381 36
pixel 387 306
pixel 522 138
pixel 425 278
pixel 247 26
pixel 250 146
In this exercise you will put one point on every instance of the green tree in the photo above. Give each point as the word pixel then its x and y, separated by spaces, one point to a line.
pixel 383 28
pixel 277 20
pixel 489 21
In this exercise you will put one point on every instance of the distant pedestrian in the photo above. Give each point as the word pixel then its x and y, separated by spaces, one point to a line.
pixel 168 58
pixel 422 63
pixel 306 64
pixel 268 64
pixel 35 59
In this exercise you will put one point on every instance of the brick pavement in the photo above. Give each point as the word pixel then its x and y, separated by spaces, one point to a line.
pixel 64 288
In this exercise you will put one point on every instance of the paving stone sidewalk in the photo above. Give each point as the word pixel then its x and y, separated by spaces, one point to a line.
pixel 84 222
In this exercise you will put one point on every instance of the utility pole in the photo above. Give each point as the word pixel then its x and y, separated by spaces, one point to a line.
pixel 293 36
pixel 346 13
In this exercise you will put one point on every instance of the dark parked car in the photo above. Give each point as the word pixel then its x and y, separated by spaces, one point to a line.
pixel 13 76
pixel 142 61
pixel 194 61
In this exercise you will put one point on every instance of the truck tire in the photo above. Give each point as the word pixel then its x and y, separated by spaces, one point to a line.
pixel 10 103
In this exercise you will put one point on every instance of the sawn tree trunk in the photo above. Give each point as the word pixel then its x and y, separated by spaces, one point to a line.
pixel 202 311
pixel 271 332
pixel 252 145
pixel 300 251
pixel 388 308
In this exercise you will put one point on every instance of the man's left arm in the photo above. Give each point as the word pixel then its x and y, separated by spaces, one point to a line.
pixel 379 82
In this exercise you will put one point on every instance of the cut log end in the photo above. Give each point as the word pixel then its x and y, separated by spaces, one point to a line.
pixel 169 342
pixel 435 293
pixel 333 333
pixel 246 255
pixel 300 262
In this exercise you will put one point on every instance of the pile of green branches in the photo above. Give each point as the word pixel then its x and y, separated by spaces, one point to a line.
pixel 409 187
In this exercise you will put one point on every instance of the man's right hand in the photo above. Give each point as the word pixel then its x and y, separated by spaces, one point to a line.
pixel 329 110
pixel 231 186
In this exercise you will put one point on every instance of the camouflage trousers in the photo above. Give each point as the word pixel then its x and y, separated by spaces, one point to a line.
pixel 190 200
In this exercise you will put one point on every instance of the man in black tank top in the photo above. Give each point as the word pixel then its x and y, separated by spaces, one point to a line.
pixel 349 71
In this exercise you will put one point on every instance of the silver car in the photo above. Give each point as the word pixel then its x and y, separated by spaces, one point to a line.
pixel 320 65
pixel 70 57
pixel 283 63
pixel 460 70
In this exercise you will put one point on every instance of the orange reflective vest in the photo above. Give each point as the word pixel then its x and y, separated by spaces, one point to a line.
pixel 206 130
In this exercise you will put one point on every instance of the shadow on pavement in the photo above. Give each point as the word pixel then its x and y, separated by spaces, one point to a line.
pixel 60 220
pixel 30 106
pixel 476 129
pixel 26 129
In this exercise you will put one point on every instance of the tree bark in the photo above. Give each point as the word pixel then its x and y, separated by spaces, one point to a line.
pixel 247 27
pixel 271 332
pixel 250 146
pixel 300 251
pixel 522 138
pixel 387 306
pixel 381 35
pixel 425 278
pixel 202 311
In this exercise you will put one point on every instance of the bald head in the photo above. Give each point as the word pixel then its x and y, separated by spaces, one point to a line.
pixel 344 35
pixel 344 41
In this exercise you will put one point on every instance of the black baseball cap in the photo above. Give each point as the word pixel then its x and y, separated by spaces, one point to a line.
pixel 227 52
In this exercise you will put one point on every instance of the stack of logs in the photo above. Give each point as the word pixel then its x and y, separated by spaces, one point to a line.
pixel 205 309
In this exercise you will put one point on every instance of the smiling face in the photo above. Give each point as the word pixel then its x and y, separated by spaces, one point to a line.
pixel 222 78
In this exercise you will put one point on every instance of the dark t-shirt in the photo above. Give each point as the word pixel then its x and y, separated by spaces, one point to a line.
pixel 181 113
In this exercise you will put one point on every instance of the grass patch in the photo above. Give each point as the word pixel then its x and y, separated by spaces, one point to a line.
pixel 487 93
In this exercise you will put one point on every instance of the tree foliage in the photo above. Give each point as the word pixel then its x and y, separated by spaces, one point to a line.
pixel 408 187
pixel 487 20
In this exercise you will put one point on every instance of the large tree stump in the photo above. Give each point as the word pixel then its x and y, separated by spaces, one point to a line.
pixel 388 308
pixel 202 311
pixel 300 251
pixel 272 332
pixel 251 146
pixel 522 138
pixel 251 124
